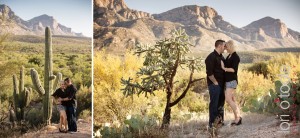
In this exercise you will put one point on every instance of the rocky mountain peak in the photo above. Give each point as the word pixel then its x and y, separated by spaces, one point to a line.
pixel 264 22
pixel 4 8
pixel 204 16
pixel 121 27
pixel 14 24
pixel 109 12
pixel 42 21
pixel 6 12
pixel 111 4
pixel 272 27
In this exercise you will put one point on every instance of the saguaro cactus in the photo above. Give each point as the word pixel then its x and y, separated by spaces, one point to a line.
pixel 21 95
pixel 48 88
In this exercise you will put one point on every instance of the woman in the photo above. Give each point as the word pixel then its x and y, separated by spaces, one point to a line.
pixel 60 93
pixel 231 80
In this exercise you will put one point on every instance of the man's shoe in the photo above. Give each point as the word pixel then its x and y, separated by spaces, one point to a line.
pixel 212 131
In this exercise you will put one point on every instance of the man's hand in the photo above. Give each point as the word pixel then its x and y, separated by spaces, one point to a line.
pixel 213 79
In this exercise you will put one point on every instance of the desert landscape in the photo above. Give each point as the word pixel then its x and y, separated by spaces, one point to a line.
pixel 24 53
pixel 141 46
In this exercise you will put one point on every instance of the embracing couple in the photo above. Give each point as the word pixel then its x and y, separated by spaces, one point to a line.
pixel 222 81
pixel 65 100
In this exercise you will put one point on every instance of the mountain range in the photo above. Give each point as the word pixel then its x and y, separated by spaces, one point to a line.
pixel 11 23
pixel 117 28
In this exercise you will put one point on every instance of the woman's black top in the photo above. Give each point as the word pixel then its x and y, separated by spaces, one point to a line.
pixel 232 62
pixel 59 93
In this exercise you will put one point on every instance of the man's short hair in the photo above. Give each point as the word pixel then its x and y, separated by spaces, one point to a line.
pixel 219 42
pixel 68 80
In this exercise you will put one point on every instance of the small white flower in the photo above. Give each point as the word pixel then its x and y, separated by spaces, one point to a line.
pixel 258 99
pixel 98 134
pixel 128 117
pixel 107 124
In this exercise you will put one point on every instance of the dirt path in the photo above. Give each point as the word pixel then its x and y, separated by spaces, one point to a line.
pixel 84 131
pixel 254 126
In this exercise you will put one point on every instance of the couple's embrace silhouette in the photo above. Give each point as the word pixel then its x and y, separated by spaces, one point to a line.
pixel 222 81
pixel 65 100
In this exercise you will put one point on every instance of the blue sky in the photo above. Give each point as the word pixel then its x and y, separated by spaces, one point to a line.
pixel 238 12
pixel 76 14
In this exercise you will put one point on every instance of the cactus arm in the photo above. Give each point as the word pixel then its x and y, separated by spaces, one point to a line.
pixel 16 93
pixel 57 81
pixel 36 82
pixel 27 96
pixel 21 83
pixel 52 77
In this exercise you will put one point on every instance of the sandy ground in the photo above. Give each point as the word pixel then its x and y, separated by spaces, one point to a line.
pixel 84 131
pixel 253 126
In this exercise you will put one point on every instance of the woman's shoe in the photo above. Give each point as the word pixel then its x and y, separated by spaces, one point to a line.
pixel 233 123
pixel 240 121
pixel 60 130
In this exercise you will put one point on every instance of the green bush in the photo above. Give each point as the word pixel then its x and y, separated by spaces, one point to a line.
pixel 260 68
pixel 84 100
pixel 134 126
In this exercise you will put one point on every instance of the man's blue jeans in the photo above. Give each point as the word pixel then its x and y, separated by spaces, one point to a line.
pixel 71 117
pixel 217 101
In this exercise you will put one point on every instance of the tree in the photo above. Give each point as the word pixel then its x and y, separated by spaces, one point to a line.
pixel 160 66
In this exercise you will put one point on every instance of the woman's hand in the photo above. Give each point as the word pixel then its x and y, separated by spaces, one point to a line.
pixel 56 101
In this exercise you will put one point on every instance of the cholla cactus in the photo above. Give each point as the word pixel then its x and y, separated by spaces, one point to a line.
pixel 161 64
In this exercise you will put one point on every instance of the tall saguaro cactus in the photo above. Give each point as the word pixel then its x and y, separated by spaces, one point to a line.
pixel 21 95
pixel 49 86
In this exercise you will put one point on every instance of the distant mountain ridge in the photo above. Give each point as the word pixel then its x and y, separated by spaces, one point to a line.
pixel 12 23
pixel 118 27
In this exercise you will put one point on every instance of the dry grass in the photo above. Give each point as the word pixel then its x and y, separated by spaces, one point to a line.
pixel 254 125
pixel 84 131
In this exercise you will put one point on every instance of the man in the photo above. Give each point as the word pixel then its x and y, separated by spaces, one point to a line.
pixel 215 82
pixel 71 104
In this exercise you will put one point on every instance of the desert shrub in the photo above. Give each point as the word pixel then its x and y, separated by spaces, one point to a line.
pixel 34 116
pixel 84 99
pixel 109 102
pixel 260 68
pixel 270 101
pixel 288 59
pixel 251 86
pixel 271 68
pixel 133 126
pixel 85 114
pixel 195 102
pixel 36 60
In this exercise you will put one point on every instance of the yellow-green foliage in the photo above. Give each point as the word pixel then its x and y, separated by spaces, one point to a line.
pixel 84 102
pixel 288 59
pixel 110 104
pixel 271 68
pixel 251 86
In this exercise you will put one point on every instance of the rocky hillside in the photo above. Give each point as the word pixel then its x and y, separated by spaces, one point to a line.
pixel 10 22
pixel 117 28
